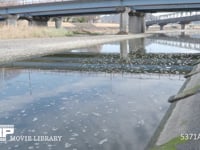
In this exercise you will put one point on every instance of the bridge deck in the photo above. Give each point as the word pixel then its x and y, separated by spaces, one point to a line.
pixel 89 6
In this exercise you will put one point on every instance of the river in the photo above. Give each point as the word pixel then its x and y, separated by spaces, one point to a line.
pixel 107 97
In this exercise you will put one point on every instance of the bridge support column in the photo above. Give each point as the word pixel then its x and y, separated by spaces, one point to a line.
pixel 124 21
pixel 12 19
pixel 58 22
pixel 183 33
pixel 39 21
pixel 161 27
pixel 182 26
pixel 147 28
pixel 136 22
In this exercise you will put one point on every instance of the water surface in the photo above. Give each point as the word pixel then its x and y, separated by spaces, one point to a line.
pixel 107 97
pixel 90 110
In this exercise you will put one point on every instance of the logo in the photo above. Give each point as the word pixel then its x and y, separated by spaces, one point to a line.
pixel 5 130
pixel 9 129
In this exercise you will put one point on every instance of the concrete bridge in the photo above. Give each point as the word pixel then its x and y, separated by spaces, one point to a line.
pixel 132 11
pixel 181 18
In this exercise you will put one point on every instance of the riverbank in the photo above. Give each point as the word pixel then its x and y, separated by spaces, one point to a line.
pixel 20 49
pixel 22 30
pixel 12 32
pixel 179 129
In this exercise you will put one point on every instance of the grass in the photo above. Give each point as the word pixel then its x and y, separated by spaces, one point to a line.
pixel 12 32
pixel 171 145
pixel 86 32
pixel 69 29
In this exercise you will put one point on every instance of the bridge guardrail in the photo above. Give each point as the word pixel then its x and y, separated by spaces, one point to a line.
pixel 174 15
pixel 26 2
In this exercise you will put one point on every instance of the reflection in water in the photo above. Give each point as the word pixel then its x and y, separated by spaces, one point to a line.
pixel 124 50
pixel 6 73
pixel 159 43
pixel 172 44
pixel 30 84
pixel 89 96
pixel 130 56
pixel 90 110
pixel 137 46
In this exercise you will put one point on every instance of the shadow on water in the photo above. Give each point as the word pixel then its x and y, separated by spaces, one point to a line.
pixel 108 97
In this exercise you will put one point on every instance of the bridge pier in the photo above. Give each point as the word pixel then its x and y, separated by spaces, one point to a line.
pixel 12 20
pixel 39 21
pixel 182 26
pixel 147 28
pixel 58 22
pixel 136 22
pixel 124 21
pixel 183 33
pixel 162 27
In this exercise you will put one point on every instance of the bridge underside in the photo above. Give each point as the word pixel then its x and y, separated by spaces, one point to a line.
pixel 134 23
pixel 98 5
pixel 130 22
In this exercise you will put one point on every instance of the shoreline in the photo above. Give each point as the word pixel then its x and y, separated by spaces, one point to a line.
pixel 19 49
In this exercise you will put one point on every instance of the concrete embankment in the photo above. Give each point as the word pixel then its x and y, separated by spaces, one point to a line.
pixel 180 128
pixel 19 49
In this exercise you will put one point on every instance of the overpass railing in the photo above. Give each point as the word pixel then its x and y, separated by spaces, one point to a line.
pixel 6 3
pixel 174 15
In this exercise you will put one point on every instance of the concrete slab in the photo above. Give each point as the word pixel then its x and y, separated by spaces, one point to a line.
pixel 181 125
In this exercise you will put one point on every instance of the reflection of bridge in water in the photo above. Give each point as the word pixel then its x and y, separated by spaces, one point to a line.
pixel 180 41
pixel 6 74
pixel 132 58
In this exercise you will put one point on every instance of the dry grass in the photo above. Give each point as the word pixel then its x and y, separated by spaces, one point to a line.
pixel 11 32
pixel 24 31
pixel 64 24
pixel 73 25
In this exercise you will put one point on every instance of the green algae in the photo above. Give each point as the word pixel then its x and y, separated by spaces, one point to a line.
pixel 171 145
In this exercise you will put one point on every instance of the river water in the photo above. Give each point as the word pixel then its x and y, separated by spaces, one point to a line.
pixel 106 97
